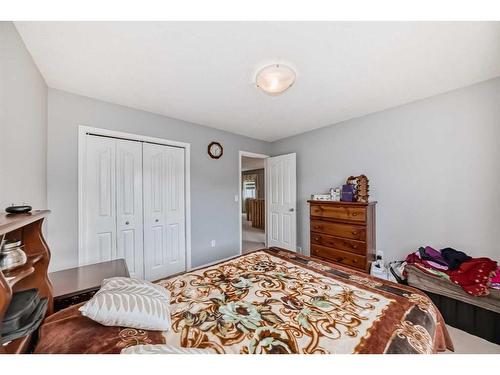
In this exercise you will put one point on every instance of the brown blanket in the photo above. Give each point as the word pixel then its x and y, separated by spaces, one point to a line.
pixel 68 332
pixel 271 301
pixel 275 301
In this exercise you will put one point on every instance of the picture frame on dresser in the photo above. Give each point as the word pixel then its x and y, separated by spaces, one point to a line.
pixel 343 233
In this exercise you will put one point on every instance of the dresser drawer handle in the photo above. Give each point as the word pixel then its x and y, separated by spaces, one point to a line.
pixel 340 259
pixel 354 232
pixel 316 227
pixel 316 238
pixel 351 245
pixel 354 214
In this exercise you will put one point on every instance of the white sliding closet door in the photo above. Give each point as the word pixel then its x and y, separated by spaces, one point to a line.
pixel 133 205
pixel 129 205
pixel 112 200
pixel 99 237
pixel 164 211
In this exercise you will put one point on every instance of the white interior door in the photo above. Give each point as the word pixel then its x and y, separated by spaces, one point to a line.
pixel 281 201
pixel 164 211
pixel 99 200
pixel 129 205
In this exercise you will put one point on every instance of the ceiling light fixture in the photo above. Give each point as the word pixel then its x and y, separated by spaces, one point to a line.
pixel 275 79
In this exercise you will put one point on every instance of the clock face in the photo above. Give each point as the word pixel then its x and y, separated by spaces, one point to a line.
pixel 215 150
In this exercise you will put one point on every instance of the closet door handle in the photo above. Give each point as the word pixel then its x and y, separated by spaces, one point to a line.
pixel 127 223
pixel 156 220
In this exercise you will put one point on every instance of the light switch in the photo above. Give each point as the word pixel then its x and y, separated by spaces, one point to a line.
pixel 236 198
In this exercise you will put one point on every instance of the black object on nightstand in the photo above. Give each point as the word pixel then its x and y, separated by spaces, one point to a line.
pixel 79 284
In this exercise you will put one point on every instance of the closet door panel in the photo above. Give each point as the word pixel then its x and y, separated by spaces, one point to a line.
pixel 164 246
pixel 154 186
pixel 175 211
pixel 158 246
pixel 129 222
pixel 99 200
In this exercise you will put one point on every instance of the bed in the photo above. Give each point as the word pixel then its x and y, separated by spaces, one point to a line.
pixel 271 301
pixel 68 332
pixel 479 316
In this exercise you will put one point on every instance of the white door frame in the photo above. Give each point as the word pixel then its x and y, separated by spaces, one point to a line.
pixel 240 206
pixel 84 130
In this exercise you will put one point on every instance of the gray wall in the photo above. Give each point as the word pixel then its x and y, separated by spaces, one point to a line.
pixel 214 183
pixel 23 124
pixel 433 167
pixel 432 164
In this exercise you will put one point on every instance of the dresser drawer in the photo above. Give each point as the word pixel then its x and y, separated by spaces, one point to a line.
pixel 357 214
pixel 339 230
pixel 353 246
pixel 339 256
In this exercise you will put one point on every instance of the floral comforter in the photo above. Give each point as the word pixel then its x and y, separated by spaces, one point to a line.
pixel 276 301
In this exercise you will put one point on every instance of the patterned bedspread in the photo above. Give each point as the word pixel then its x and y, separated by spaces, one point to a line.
pixel 275 301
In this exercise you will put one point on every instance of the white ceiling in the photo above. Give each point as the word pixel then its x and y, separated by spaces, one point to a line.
pixel 203 72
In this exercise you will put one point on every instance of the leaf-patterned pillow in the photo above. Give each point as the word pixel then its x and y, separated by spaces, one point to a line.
pixel 126 302
pixel 118 282
pixel 163 349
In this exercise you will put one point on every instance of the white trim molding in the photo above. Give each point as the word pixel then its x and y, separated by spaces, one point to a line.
pixel 84 130
pixel 240 206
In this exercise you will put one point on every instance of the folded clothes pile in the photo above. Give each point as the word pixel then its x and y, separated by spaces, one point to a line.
pixel 474 275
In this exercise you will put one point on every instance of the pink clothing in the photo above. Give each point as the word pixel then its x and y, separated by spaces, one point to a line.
pixel 435 265
pixel 496 279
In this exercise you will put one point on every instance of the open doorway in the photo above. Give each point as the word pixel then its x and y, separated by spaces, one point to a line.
pixel 252 202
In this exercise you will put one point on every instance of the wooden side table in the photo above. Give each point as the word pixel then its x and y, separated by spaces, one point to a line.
pixel 79 284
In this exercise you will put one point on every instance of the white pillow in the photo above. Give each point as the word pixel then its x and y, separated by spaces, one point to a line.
pixel 126 302
pixel 163 349
pixel 118 282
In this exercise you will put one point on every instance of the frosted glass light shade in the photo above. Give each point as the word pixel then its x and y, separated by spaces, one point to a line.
pixel 274 79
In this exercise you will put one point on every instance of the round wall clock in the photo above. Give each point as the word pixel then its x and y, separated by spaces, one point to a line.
pixel 215 150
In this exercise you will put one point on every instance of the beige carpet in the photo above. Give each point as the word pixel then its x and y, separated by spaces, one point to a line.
pixel 253 238
pixel 466 343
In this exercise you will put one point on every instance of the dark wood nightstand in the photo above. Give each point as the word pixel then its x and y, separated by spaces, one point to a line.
pixel 79 284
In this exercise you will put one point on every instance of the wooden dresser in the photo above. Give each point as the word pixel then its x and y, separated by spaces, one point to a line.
pixel 27 228
pixel 343 232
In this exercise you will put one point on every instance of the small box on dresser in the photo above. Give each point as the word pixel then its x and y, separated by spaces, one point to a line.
pixel 343 232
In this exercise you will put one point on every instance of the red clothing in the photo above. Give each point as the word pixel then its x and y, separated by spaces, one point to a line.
pixel 474 275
